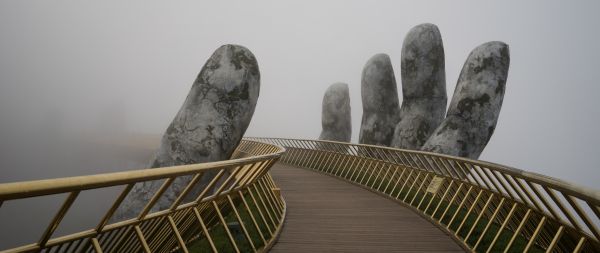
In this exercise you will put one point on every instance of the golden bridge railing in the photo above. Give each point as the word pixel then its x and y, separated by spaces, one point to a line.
pixel 485 207
pixel 241 185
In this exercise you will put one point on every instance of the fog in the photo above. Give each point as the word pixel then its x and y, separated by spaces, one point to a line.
pixel 107 72
pixel 89 87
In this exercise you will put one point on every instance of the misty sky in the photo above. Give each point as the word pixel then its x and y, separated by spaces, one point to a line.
pixel 78 65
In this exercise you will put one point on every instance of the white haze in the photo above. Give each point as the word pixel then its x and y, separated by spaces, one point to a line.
pixel 114 67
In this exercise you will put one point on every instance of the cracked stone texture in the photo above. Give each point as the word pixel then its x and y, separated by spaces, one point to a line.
pixel 423 87
pixel 475 106
pixel 335 117
pixel 208 126
pixel 380 102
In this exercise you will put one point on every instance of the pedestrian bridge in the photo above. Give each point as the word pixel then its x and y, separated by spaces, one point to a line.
pixel 287 195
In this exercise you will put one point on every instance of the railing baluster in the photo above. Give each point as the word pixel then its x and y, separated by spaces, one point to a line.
pixel 376 167
pixel 189 229
pixel 269 200
pixel 586 219
pixel 254 172
pixel 58 218
pixel 261 215
pixel 269 197
pixel 141 239
pixel 451 201
pixel 342 165
pixel 317 163
pixel 412 185
pixel 130 244
pixel 310 163
pixel 392 177
pixel 579 246
pixel 119 239
pixel 535 234
pixel 96 245
pixel 154 229
pixel 419 189
pixel 224 223
pixel 224 184
pixel 366 171
pixel 458 209
pixel 448 169
pixel 564 210
pixel 555 239
pixel 468 212
pixel 384 176
pixel 278 197
pixel 482 177
pixel 205 230
pixel 302 152
pixel 113 208
pixel 264 206
pixel 240 180
pixel 544 200
pixel 506 220
pixel 332 167
pixel 527 193
pixel 260 233
pixel 176 231
pixel 75 245
pixel 63 247
pixel 487 203
pixel 241 222
pixel 351 167
pixel 155 197
pixel 441 199
pixel 410 160
pixel 516 232
pixel 210 185
pixel 425 165
pixel 328 160
pixel 358 168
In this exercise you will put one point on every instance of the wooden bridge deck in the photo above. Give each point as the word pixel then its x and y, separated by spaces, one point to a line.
pixel 325 214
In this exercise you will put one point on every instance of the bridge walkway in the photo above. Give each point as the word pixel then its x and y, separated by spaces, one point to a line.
pixel 325 214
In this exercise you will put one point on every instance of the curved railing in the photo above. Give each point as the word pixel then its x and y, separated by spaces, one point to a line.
pixel 528 211
pixel 241 194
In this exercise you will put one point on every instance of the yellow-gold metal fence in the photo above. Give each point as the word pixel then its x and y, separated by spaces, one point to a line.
pixel 485 207
pixel 243 179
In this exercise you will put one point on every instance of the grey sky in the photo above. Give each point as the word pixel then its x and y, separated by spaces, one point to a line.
pixel 85 62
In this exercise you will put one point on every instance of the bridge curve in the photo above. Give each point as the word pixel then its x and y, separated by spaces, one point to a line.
pixel 484 207
pixel 327 215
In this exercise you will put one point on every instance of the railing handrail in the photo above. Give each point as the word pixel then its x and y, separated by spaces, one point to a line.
pixel 32 188
pixel 573 188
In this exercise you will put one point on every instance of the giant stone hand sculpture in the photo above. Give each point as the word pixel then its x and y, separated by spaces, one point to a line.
pixel 336 118
pixel 419 123
pixel 209 125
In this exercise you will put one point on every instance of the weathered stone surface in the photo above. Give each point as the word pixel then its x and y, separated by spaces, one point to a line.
pixel 380 102
pixel 475 105
pixel 209 125
pixel 335 117
pixel 423 87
